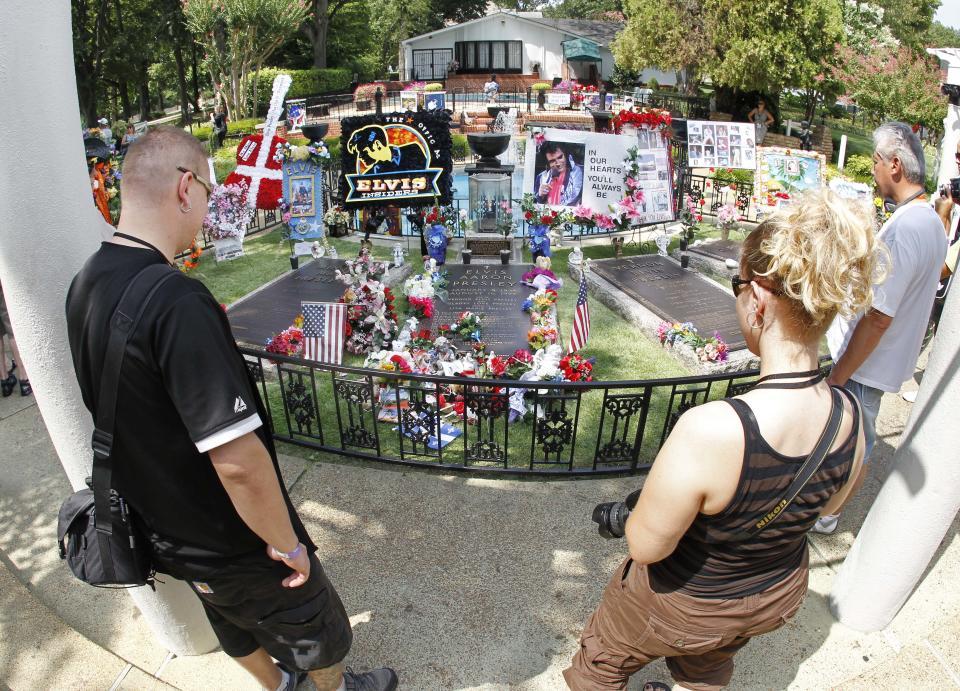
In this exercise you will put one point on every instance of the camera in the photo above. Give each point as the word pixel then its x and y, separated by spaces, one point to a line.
pixel 953 188
pixel 611 516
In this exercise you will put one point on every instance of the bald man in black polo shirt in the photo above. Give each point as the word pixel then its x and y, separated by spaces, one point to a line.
pixel 199 469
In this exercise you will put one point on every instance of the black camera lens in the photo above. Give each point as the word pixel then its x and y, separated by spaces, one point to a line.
pixel 611 519
pixel 955 190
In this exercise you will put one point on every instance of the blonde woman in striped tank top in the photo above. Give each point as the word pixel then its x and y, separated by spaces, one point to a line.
pixel 695 588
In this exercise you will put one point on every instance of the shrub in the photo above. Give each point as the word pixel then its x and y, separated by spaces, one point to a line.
pixel 203 132
pixel 652 83
pixel 366 92
pixel 540 86
pixel 859 168
pixel 724 176
pixel 366 67
pixel 305 82
pixel 433 86
pixel 460 149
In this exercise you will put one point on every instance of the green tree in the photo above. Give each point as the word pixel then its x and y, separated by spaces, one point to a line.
pixel 583 9
pixel 316 28
pixel 238 36
pixel 940 36
pixel 909 20
pixel 743 45
pixel 893 84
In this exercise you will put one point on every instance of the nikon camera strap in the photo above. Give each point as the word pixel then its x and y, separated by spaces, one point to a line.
pixel 809 467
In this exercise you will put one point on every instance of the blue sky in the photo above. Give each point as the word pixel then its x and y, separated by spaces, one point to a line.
pixel 949 13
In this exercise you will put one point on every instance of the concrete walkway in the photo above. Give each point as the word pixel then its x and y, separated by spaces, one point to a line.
pixel 456 581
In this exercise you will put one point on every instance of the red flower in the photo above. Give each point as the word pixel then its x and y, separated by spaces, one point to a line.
pixel 546 219
pixel 528 215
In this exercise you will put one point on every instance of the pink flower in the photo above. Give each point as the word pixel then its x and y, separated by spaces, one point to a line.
pixel 604 222
pixel 583 212
pixel 630 183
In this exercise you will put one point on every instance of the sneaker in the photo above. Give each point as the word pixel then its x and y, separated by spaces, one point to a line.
pixel 382 679
pixel 293 677
pixel 826 525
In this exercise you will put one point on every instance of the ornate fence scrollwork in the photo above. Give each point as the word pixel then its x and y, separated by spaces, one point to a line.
pixel 489 409
pixel 575 428
pixel 619 414
pixel 298 391
pixel 355 413
pixel 556 415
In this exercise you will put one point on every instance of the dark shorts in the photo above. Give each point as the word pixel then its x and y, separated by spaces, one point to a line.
pixel 305 628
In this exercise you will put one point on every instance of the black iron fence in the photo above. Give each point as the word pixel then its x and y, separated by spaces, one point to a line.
pixel 569 428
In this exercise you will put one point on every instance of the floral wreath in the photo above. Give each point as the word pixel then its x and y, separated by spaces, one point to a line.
pixel 316 153
pixel 191 261
pixel 654 118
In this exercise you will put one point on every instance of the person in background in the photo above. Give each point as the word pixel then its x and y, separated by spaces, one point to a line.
pixel 761 119
pixel 9 381
pixel 876 351
pixel 491 89
pixel 698 584
pixel 199 469
pixel 218 119
pixel 106 134
pixel 129 137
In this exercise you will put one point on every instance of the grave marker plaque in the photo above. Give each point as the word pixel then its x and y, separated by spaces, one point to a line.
pixel 720 250
pixel 263 313
pixel 674 294
pixel 493 291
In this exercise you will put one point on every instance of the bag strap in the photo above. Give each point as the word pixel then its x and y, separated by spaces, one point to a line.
pixel 809 467
pixel 134 301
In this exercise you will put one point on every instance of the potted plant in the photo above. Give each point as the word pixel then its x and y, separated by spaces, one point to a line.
pixel 535 69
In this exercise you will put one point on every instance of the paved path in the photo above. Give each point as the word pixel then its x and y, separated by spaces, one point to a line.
pixel 458 582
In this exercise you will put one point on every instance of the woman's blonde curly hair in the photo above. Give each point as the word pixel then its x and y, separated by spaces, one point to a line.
pixel 822 253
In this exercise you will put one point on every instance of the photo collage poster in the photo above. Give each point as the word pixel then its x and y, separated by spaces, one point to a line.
pixel 721 144
pixel 570 168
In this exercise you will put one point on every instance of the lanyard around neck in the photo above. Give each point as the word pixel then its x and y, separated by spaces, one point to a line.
pixel 141 241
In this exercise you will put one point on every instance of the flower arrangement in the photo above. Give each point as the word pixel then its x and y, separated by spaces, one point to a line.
pixel 191 261
pixel 541 306
pixel 288 342
pixel 577 368
pixel 416 86
pixel 335 216
pixel 442 216
pixel 654 118
pixel 541 336
pixel 540 214
pixel 690 216
pixel 540 86
pixel 316 152
pixel 468 325
pixel 228 214
pixel 727 217
pixel 371 308
pixel 707 349
pixel 433 86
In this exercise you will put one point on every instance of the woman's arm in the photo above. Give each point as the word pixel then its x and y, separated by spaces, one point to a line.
pixel 698 465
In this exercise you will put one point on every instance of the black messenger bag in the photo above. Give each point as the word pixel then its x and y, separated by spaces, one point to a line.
pixel 96 533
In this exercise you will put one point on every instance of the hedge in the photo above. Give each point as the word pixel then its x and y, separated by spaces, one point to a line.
pixel 305 82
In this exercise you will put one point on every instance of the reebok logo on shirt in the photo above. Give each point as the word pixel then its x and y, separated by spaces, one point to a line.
pixel 239 406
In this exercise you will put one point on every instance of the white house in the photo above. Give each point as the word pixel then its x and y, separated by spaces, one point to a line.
pixel 518 43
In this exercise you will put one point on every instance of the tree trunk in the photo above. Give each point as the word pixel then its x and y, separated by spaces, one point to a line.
pixel 144 94
pixel 193 75
pixel 125 99
pixel 181 79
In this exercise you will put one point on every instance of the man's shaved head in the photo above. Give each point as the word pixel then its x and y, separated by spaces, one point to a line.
pixel 150 172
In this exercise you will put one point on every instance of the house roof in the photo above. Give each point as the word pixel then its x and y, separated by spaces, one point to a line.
pixel 600 32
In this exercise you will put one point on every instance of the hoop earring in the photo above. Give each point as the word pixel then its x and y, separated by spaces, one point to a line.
pixel 185 211
pixel 753 324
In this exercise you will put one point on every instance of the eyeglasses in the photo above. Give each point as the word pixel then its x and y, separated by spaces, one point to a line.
pixel 207 185
pixel 738 283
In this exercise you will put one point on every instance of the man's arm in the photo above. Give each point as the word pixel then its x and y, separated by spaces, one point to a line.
pixel 248 476
pixel 866 336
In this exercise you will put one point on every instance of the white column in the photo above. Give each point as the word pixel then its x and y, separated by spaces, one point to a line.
pixel 948 147
pixel 50 227
pixel 917 503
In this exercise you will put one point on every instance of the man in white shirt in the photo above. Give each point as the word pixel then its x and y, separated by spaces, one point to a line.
pixel 106 134
pixel 877 351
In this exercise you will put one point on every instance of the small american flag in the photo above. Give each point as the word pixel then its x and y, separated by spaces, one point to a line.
pixel 581 318
pixel 324 331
